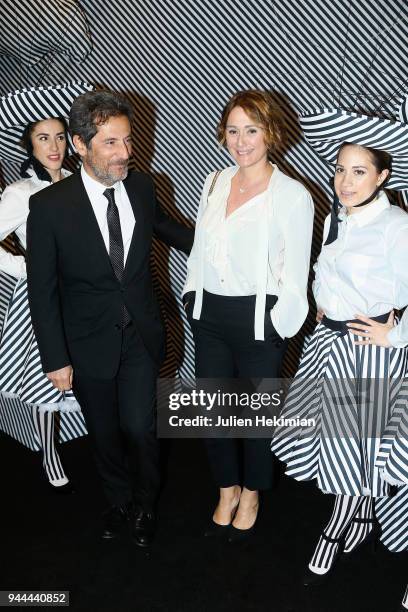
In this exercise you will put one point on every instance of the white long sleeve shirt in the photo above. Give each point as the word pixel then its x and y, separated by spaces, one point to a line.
pixel 13 218
pixel 366 269
pixel 262 248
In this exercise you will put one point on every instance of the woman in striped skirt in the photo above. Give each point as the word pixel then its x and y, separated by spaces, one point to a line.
pixel 351 379
pixel 21 373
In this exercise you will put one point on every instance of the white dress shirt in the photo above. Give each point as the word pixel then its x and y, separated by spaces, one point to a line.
pixel 99 204
pixel 366 269
pixel 13 218
pixel 261 248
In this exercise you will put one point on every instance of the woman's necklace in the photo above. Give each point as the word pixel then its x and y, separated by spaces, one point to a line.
pixel 243 189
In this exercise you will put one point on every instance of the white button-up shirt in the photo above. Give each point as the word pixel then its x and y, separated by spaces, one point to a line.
pixel 261 248
pixel 99 204
pixel 13 218
pixel 366 269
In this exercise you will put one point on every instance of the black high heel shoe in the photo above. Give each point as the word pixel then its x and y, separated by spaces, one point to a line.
pixel 239 535
pixel 215 530
pixel 311 578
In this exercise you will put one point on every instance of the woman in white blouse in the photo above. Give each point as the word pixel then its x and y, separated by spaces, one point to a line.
pixel 245 292
pixel 20 369
pixel 351 378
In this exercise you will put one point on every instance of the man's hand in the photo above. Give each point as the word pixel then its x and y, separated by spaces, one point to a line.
pixel 61 379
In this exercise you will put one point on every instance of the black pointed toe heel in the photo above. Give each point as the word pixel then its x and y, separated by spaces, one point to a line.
pixel 214 530
pixel 239 535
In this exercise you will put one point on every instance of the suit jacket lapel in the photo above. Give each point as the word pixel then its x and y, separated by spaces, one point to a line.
pixel 89 224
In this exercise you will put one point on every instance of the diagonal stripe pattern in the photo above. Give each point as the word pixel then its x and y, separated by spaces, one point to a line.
pixel 184 62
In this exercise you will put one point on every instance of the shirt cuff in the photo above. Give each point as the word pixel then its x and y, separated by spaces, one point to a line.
pixel 276 325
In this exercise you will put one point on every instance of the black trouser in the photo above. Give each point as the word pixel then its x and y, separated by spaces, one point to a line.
pixel 225 348
pixel 120 417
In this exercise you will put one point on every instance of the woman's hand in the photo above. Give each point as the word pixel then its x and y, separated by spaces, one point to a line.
pixel 319 315
pixel 372 331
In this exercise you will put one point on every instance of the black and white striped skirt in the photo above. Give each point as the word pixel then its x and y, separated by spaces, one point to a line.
pixel 392 513
pixel 356 397
pixel 21 374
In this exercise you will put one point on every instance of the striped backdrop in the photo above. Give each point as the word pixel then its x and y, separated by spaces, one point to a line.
pixel 179 62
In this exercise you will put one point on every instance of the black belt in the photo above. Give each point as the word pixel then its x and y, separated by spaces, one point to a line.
pixel 341 326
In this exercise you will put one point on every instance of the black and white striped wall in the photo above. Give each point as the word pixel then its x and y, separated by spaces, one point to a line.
pixel 179 62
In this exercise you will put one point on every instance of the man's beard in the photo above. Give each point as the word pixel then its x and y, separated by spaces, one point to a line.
pixel 107 175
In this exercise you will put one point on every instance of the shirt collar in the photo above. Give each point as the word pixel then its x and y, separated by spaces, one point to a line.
pixel 35 178
pixel 93 186
pixel 366 215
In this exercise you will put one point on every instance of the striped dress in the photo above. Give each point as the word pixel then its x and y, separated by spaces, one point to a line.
pixel 357 396
pixel 24 388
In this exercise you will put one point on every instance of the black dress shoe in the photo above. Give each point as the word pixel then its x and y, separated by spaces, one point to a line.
pixel 66 489
pixel 144 526
pixel 115 519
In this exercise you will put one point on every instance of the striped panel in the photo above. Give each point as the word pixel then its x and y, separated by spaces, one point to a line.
pixel 7 284
pixel 179 62
pixel 36 30
pixel 17 422
pixel 21 372
pixel 392 513
pixel 340 448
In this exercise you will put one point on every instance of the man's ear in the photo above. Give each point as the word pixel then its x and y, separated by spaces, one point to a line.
pixel 79 145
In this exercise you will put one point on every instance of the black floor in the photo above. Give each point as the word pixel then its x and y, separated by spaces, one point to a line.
pixel 51 543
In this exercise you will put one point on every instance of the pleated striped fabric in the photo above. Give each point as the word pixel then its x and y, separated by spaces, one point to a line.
pixel 393 453
pixel 405 599
pixel 352 393
pixel 39 29
pixel 16 421
pixel 21 373
pixel 392 513
pixel 33 104
pixel 7 284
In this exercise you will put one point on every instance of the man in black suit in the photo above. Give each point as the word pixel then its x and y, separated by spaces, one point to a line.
pixel 94 311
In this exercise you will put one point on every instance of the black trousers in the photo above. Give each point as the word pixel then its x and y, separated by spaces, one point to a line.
pixel 120 417
pixel 225 348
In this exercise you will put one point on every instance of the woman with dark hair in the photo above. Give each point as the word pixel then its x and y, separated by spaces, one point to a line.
pixel 20 371
pixel 351 379
pixel 245 292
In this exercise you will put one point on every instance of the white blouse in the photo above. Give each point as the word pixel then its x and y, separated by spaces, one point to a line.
pixel 262 248
pixel 13 218
pixel 366 269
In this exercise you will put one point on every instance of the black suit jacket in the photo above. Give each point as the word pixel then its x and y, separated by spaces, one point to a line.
pixel 75 298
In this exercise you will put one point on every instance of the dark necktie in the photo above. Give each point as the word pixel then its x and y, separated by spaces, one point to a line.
pixel 116 250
